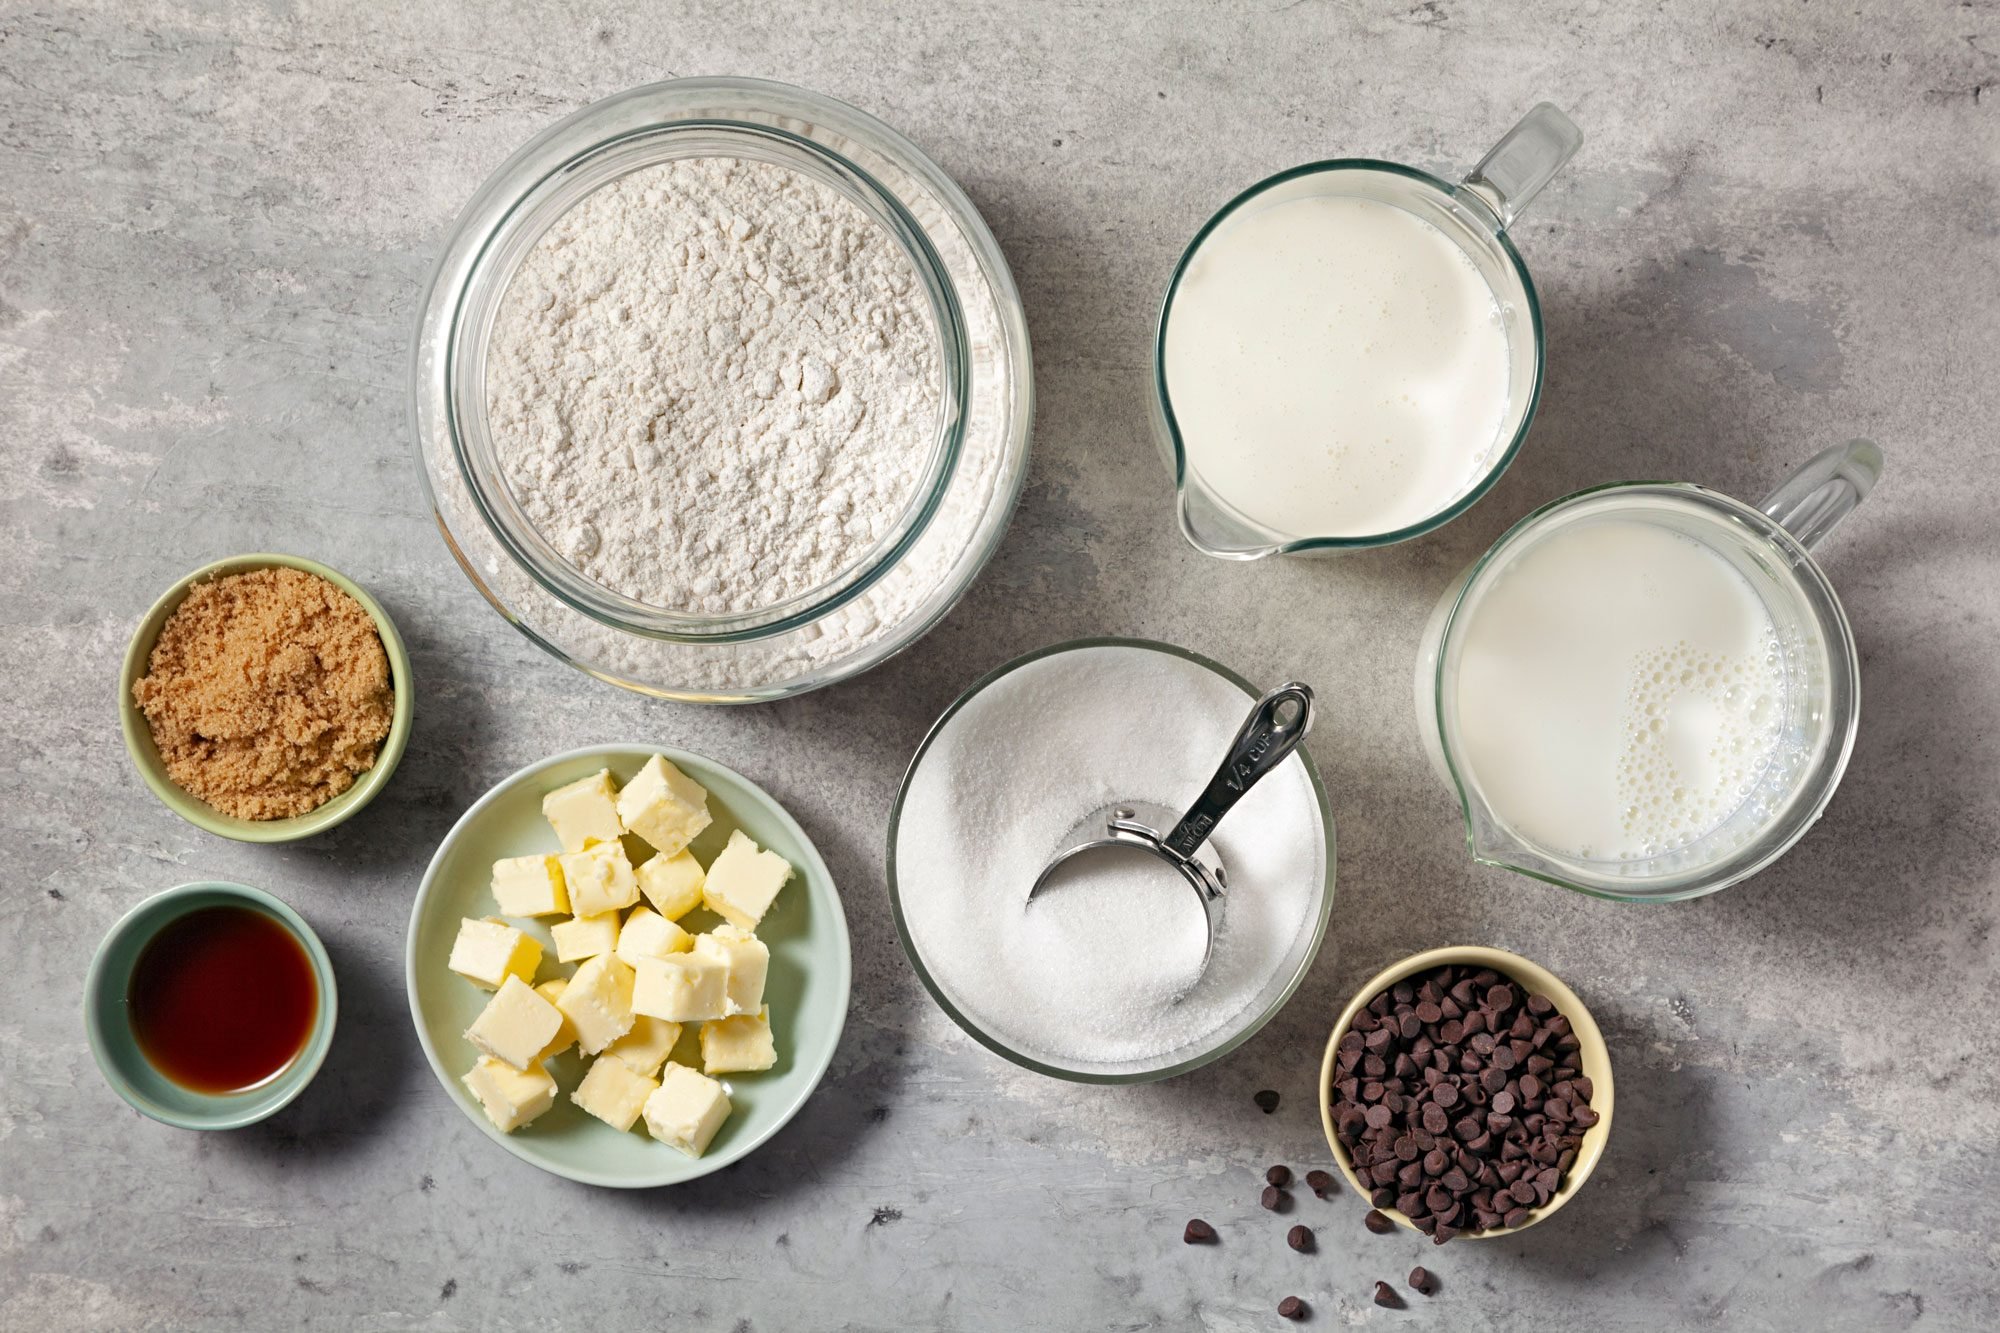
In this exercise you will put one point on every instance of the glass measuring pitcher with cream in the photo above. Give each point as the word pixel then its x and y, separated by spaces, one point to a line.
pixel 1648 690
pixel 1350 352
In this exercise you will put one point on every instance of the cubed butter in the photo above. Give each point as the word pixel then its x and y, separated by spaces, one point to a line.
pixel 664 806
pixel 583 811
pixel 583 937
pixel 614 1092
pixel 748 960
pixel 686 1110
pixel 672 884
pixel 551 990
pixel 488 952
pixel 510 1097
pixel 742 882
pixel 599 879
pixel 647 934
pixel 598 1001
pixel 529 886
pixel 738 1045
pixel 647 1045
pixel 515 1024
pixel 682 988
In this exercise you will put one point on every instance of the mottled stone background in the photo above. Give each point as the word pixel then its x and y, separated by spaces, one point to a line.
pixel 1781 231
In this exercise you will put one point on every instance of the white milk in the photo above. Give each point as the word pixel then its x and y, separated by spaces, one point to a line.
pixel 1620 690
pixel 1337 367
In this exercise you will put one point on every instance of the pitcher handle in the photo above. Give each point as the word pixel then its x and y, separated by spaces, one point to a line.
pixel 1526 158
pixel 1832 483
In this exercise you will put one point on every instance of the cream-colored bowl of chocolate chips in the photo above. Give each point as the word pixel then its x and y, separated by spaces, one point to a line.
pixel 1465 1092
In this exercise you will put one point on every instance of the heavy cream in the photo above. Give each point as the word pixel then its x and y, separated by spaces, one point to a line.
pixel 1620 690
pixel 1337 367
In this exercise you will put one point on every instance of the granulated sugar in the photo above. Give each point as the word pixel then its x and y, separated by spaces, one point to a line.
pixel 1094 972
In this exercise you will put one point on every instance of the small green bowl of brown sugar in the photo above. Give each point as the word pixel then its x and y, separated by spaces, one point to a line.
pixel 265 698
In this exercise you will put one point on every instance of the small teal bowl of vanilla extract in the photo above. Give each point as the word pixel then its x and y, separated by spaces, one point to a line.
pixel 210 1006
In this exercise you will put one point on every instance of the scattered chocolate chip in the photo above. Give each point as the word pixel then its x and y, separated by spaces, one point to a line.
pixel 1267 1100
pixel 1385 1296
pixel 1378 1222
pixel 1319 1182
pixel 1300 1239
pixel 1292 1308
pixel 1422 1281
pixel 1198 1232
pixel 1272 1198
pixel 1280 1176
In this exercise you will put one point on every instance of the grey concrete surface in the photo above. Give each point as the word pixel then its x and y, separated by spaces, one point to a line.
pixel 1781 232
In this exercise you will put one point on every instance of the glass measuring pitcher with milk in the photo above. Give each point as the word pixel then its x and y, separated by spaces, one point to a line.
pixel 1350 352
pixel 1648 690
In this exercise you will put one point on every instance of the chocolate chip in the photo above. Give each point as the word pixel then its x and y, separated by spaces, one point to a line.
pixel 1459 1099
pixel 1198 1233
pixel 1267 1100
pixel 1385 1296
pixel 1272 1198
pixel 1422 1281
pixel 1319 1182
pixel 1378 1222
pixel 1515 1217
pixel 1300 1239
pixel 1292 1308
pixel 1280 1176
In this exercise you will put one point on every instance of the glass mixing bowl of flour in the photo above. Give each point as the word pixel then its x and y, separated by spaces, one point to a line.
pixel 653 538
pixel 1107 980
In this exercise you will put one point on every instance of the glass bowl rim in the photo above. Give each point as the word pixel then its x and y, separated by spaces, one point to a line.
pixel 970 1026
pixel 600 603
pixel 982 272
pixel 1295 545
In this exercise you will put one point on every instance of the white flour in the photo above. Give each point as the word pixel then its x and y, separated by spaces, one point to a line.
pixel 713 384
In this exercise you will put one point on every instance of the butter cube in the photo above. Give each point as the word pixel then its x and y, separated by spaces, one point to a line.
pixel 647 934
pixel 682 988
pixel 515 1024
pixel 672 884
pixel 551 990
pixel 529 886
pixel 510 1097
pixel 664 806
pixel 646 1046
pixel 487 952
pixel 742 882
pixel 748 960
pixel 584 811
pixel 686 1110
pixel 584 937
pixel 599 879
pixel 614 1092
pixel 598 1001
pixel 740 1044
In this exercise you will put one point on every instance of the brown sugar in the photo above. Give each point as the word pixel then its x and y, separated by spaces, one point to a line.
pixel 267 693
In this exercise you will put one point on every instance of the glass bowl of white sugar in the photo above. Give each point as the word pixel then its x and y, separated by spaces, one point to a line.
pixel 1102 982
pixel 722 391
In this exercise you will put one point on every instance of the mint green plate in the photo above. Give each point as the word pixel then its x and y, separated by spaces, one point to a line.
pixel 811 970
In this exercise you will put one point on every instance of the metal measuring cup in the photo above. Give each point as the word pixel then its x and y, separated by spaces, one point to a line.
pixel 1276 725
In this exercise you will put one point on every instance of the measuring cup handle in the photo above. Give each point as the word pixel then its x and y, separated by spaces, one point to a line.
pixel 1526 158
pixel 1273 730
pixel 1812 500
